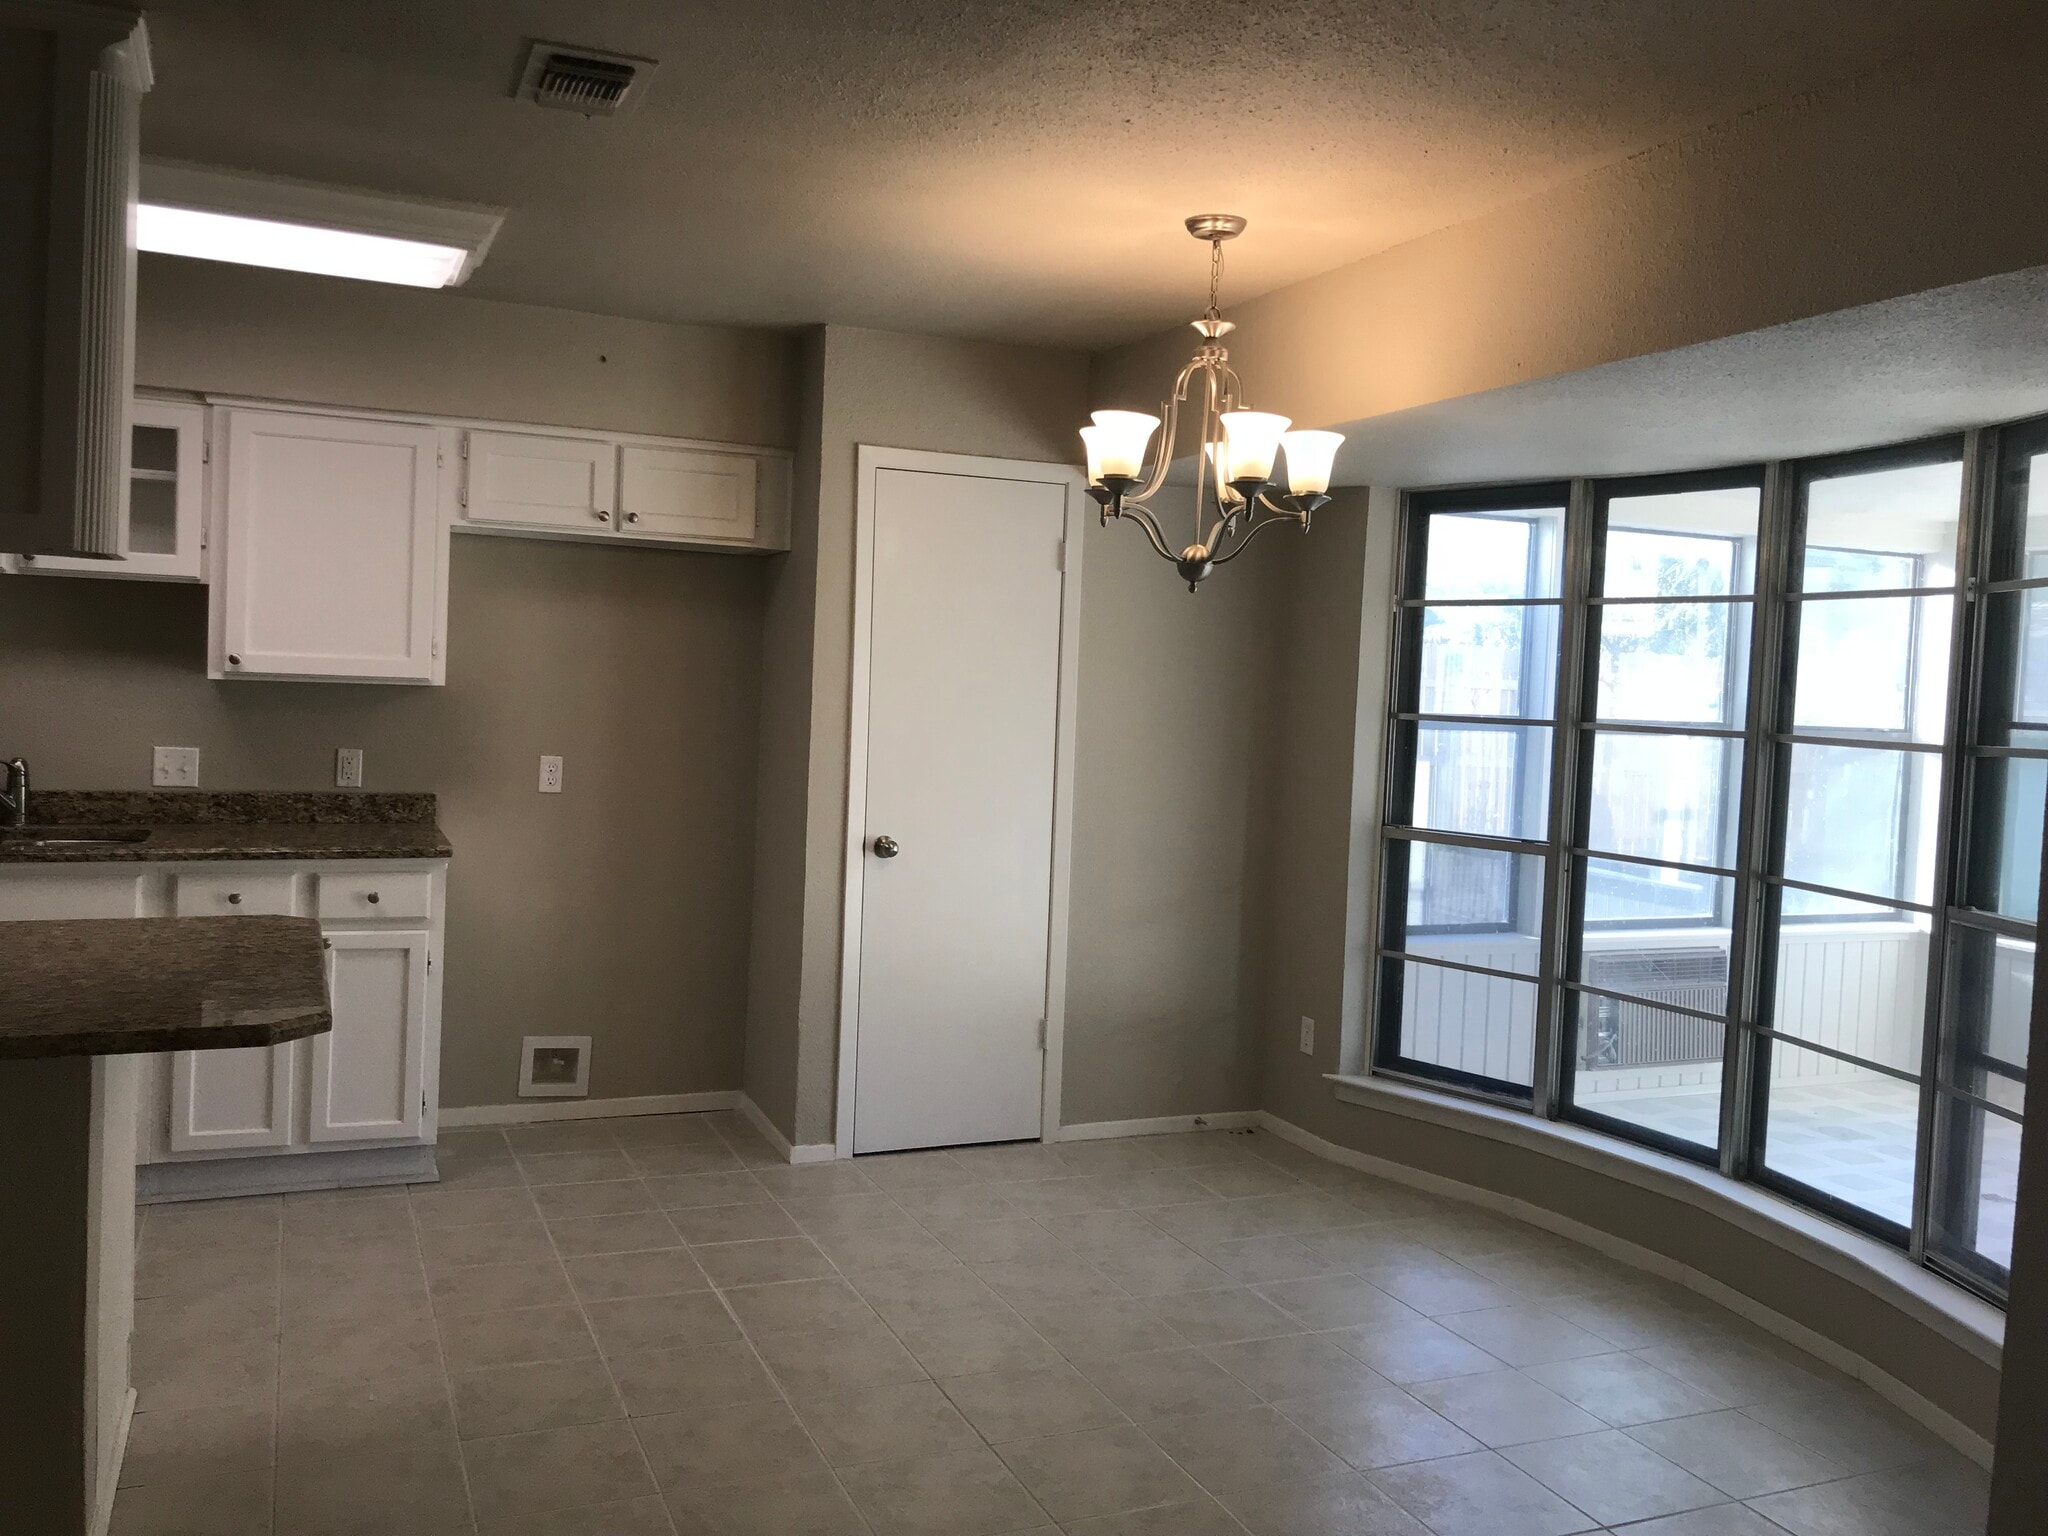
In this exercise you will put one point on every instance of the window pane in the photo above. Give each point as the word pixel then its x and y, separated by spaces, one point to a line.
pixel 1860 819
pixel 1664 797
pixel 1991 997
pixel 1669 663
pixel 1480 1026
pixel 1842 1129
pixel 1976 1185
pixel 1490 780
pixel 1883 528
pixel 1645 894
pixel 1488 661
pixel 1857 984
pixel 1873 665
pixel 1493 554
pixel 1695 543
pixel 2015 666
pixel 1476 905
pixel 2019 536
pixel 2006 835
pixel 1650 1066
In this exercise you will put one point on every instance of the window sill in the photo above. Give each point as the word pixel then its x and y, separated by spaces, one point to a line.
pixel 1950 1311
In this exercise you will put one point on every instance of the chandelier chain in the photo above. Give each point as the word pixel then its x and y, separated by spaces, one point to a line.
pixel 1215 279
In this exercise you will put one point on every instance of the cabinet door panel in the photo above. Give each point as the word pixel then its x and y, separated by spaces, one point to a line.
pixel 687 493
pixel 367 1071
pixel 331 536
pixel 238 1098
pixel 532 481
pixel 166 501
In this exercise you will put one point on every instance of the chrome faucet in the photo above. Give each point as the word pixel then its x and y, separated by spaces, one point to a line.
pixel 14 800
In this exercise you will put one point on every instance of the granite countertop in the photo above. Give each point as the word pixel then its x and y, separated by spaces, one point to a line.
pixel 108 986
pixel 148 826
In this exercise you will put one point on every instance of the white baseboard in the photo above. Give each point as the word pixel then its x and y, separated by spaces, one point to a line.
pixel 803 1152
pixel 1160 1125
pixel 527 1111
pixel 215 1178
pixel 1887 1386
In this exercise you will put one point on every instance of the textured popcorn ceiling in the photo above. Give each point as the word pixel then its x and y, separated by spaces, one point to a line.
pixel 1015 169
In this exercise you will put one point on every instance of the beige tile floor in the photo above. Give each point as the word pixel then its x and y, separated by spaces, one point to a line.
pixel 648 1327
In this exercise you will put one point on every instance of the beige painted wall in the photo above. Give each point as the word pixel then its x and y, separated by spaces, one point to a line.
pixel 1905 180
pixel 619 909
pixel 247 330
pixel 1170 714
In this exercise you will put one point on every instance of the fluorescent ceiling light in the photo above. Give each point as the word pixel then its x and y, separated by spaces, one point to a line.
pixel 268 221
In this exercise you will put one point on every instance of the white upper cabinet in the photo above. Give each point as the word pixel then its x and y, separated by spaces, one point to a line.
pixel 624 489
pixel 527 480
pixel 166 501
pixel 687 493
pixel 329 548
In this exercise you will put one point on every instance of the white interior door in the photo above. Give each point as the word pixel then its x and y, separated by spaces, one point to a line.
pixel 962 737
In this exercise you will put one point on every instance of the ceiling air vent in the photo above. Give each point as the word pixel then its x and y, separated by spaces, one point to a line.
pixel 583 80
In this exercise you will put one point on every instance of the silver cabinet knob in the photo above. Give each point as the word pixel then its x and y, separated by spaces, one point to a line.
pixel 886 848
pixel 601 515
pixel 234 898
pixel 234 661
pixel 371 898
pixel 632 517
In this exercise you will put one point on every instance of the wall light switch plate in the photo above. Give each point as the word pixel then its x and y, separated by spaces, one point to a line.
pixel 176 768
pixel 1308 1035
pixel 348 767
pixel 551 775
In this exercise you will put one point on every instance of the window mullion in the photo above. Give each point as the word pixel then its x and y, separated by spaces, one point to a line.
pixel 1768 676
pixel 1566 748
pixel 1973 548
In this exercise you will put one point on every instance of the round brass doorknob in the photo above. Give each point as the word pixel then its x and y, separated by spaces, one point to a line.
pixel 885 848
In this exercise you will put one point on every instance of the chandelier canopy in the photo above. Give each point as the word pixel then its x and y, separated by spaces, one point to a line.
pixel 1236 495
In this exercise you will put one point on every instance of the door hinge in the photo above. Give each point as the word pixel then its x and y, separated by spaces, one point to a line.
pixel 434 649
pixel 1063 557
pixel 465 445
pixel 462 496
pixel 1044 1028
pixel 430 960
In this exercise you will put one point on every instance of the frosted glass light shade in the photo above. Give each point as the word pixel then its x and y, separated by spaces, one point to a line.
pixel 1117 443
pixel 1251 442
pixel 1309 457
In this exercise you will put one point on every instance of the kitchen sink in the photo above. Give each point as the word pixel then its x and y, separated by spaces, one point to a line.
pixel 72 837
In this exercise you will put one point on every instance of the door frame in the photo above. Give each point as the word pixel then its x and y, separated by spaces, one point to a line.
pixel 870 461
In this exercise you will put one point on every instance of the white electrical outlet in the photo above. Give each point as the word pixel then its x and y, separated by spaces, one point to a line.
pixel 551 775
pixel 1308 1035
pixel 348 767
pixel 176 768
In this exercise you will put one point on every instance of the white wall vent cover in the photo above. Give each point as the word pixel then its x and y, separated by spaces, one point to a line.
pixel 585 80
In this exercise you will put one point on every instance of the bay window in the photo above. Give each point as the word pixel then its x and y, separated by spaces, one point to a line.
pixel 1714 814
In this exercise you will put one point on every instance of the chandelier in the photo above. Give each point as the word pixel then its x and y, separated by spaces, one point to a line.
pixel 1236 497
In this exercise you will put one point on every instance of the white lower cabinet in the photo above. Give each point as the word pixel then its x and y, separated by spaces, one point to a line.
pixel 366 1079
pixel 356 1104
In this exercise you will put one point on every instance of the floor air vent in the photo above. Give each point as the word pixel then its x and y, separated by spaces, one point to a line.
pixel 583 79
